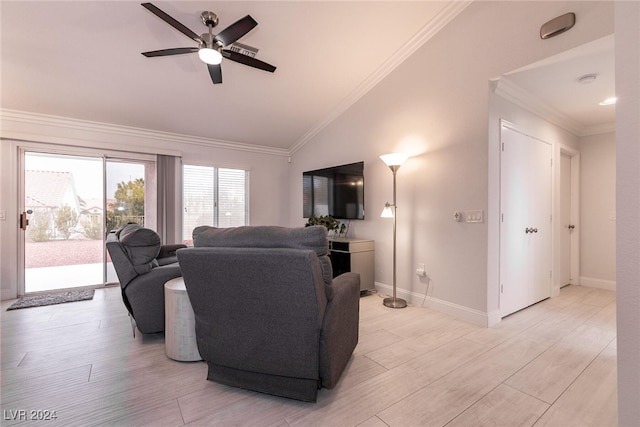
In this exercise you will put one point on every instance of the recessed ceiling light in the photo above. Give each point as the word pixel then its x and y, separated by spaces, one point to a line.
pixel 587 78
pixel 609 101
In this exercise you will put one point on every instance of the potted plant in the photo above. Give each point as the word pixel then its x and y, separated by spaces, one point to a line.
pixel 330 223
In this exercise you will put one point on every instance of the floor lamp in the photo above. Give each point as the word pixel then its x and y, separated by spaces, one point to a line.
pixel 394 161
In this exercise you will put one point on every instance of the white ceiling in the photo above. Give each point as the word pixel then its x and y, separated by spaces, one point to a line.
pixel 81 59
pixel 551 86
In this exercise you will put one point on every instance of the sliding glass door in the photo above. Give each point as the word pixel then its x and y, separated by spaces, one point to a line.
pixel 130 198
pixel 70 203
pixel 63 206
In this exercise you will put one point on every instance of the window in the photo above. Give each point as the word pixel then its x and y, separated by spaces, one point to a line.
pixel 213 196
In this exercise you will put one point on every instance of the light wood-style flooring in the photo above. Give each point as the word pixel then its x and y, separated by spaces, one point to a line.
pixel 553 364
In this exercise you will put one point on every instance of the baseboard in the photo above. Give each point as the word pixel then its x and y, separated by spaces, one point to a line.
pixel 591 282
pixel 6 294
pixel 458 311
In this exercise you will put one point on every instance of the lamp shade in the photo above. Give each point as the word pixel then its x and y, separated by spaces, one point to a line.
pixel 394 159
pixel 387 212
pixel 210 56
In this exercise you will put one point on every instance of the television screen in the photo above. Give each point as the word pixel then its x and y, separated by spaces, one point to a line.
pixel 337 191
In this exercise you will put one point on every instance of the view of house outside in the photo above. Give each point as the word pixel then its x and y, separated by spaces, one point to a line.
pixel 66 212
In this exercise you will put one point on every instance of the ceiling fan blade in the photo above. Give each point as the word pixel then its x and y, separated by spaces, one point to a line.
pixel 247 60
pixel 166 52
pixel 236 30
pixel 215 71
pixel 171 21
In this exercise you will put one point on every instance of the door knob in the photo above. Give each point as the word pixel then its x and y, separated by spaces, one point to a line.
pixel 571 226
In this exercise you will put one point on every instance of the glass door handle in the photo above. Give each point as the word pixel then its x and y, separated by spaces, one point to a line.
pixel 24 221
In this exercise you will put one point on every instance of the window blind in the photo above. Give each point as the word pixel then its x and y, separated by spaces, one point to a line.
pixel 213 196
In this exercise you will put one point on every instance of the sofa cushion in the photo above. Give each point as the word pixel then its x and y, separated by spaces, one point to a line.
pixel 142 246
pixel 313 237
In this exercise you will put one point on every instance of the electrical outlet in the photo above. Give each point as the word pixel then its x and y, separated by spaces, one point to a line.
pixel 420 271
pixel 3 215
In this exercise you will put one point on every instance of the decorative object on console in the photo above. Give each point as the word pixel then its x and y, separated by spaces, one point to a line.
pixel 327 221
pixel 394 161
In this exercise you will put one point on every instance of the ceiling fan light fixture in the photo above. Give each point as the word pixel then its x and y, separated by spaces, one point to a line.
pixel 210 56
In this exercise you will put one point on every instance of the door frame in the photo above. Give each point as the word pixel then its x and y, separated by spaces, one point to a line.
pixel 18 148
pixel 574 155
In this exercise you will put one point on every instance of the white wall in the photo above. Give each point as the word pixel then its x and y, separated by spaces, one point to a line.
pixel 598 210
pixel 269 198
pixel 627 16
pixel 434 106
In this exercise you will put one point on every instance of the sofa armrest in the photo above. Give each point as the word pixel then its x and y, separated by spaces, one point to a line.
pixel 169 250
pixel 339 335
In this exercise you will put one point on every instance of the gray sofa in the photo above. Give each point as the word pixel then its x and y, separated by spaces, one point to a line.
pixel 143 265
pixel 269 316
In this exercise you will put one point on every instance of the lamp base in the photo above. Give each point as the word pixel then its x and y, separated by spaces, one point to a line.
pixel 394 302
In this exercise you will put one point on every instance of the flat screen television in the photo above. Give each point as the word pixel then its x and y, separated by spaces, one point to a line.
pixel 337 191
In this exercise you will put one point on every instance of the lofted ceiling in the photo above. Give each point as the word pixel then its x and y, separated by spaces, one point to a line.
pixel 82 60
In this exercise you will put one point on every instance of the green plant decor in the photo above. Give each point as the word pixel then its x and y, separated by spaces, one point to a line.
pixel 329 222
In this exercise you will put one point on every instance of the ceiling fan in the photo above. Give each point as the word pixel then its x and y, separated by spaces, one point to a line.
pixel 211 48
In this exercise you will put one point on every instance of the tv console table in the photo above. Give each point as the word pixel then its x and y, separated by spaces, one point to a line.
pixel 353 255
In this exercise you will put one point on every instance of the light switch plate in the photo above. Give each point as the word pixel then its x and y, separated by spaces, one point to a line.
pixel 3 215
pixel 474 216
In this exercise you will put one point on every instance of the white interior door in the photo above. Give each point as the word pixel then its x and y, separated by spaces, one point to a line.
pixel 525 228
pixel 514 263
pixel 540 239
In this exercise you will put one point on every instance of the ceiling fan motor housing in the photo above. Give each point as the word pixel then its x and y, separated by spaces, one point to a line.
pixel 209 19
pixel 208 41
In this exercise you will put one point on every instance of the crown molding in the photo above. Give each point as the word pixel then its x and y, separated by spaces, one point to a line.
pixel 446 15
pixel 598 129
pixel 525 99
pixel 530 102
pixel 129 133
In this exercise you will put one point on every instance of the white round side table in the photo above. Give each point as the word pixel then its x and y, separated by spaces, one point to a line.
pixel 179 323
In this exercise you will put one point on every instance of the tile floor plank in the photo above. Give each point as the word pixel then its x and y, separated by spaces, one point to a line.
pixel 523 410
pixel 411 367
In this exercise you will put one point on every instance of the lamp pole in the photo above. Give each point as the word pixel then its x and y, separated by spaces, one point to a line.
pixel 394 161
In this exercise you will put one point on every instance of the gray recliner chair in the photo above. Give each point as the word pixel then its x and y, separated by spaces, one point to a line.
pixel 143 265
pixel 269 317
